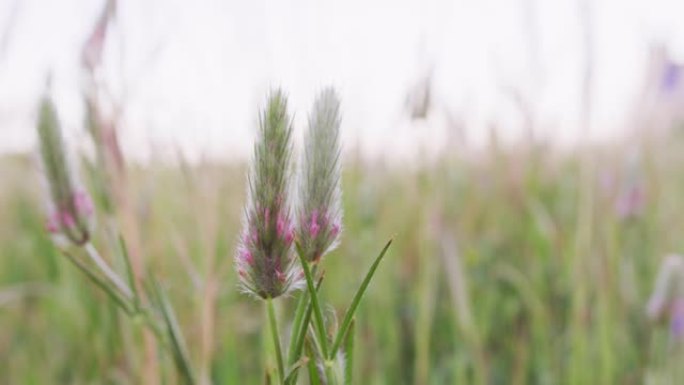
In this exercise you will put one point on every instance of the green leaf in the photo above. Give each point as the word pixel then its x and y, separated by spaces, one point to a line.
pixel 349 353
pixel 302 306
pixel 318 315
pixel 314 377
pixel 177 342
pixel 100 282
pixel 129 272
pixel 355 302
pixel 301 334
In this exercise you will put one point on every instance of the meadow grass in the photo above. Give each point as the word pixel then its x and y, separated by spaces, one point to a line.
pixel 509 266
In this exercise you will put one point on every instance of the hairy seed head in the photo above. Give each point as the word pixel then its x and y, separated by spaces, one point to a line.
pixel 320 214
pixel 264 261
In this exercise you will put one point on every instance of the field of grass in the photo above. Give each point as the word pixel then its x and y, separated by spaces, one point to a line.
pixel 511 265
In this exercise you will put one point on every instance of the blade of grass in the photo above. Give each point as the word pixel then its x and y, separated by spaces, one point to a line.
pixel 314 378
pixel 178 346
pixel 129 272
pixel 301 334
pixel 100 282
pixel 355 302
pixel 302 305
pixel 318 315
pixel 106 270
pixel 349 352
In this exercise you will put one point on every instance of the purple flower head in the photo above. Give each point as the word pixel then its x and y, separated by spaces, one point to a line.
pixel 320 212
pixel 264 260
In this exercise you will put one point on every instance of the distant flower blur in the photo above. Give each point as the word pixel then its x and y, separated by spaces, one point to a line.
pixel 630 202
pixel 671 75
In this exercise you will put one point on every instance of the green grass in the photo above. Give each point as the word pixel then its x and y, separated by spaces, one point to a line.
pixel 508 267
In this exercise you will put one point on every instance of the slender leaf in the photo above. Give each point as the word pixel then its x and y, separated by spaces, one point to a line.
pixel 318 315
pixel 314 376
pixel 349 354
pixel 100 282
pixel 357 299
pixel 178 346
pixel 301 333
pixel 129 272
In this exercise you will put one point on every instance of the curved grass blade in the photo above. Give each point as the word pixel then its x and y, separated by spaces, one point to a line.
pixel 318 315
pixel 302 306
pixel 130 273
pixel 100 282
pixel 355 302
pixel 301 335
pixel 179 350
pixel 349 353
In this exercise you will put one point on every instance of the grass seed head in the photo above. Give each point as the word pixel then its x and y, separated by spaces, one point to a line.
pixel 264 261
pixel 320 214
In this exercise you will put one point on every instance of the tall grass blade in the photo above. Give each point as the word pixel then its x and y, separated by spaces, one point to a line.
pixel 355 302
pixel 178 347
pixel 318 315
pixel 100 282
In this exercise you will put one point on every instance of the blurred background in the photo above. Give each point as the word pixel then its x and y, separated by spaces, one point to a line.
pixel 525 155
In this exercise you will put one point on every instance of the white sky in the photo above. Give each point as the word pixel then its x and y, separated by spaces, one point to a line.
pixel 194 71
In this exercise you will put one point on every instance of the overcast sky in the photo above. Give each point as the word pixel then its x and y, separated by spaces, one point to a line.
pixel 193 72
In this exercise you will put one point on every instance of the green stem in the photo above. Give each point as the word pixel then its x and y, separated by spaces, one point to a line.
pixel 107 271
pixel 297 327
pixel 276 338
pixel 318 315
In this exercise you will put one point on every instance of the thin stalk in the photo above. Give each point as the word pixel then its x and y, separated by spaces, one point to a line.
pixel 297 327
pixel 113 294
pixel 314 378
pixel 107 271
pixel 276 338
pixel 318 315
pixel 301 333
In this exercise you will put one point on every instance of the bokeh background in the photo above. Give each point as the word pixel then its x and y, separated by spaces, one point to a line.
pixel 526 156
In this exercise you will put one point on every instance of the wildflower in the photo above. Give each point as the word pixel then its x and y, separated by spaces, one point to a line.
pixel 320 214
pixel 70 209
pixel 264 259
